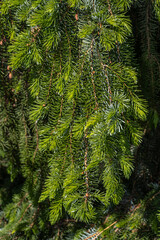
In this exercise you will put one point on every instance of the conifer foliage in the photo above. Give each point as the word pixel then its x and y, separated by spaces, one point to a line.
pixel 70 115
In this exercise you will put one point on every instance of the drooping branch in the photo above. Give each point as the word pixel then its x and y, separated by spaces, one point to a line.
pixel 69 43
pixel 59 117
pixel 149 48
pixel 25 212
pixel 106 75
pixel 25 128
pixel 85 165
pixel 37 141
pixel 60 113
pixel 92 76
pixel 64 160
pixel 50 82
pixel 70 134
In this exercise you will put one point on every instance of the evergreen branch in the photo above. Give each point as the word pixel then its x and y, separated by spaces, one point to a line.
pixel 147 30
pixel 60 66
pixel 149 47
pixel 25 212
pixel 92 76
pixel 37 140
pixel 119 78
pixel 60 113
pixel 82 65
pixel 85 163
pixel 25 127
pixel 59 117
pixel 68 43
pixel 34 217
pixel 158 64
pixel 100 146
pixel 64 160
pixel 71 150
pixel 26 194
pixel 66 12
pixel 107 79
pixel 19 203
pixel 118 51
pixel 50 82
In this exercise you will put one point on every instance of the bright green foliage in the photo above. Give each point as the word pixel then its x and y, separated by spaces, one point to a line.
pixel 74 113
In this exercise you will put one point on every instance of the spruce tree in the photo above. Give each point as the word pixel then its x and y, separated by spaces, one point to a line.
pixel 71 118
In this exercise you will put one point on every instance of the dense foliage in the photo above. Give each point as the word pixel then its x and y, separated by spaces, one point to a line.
pixel 79 119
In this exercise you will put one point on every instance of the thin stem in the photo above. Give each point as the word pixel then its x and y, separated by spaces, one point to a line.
pixel 25 212
pixel 109 8
pixel 95 235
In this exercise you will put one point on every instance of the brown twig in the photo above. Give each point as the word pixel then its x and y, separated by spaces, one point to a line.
pixel 150 199
pixel 106 229
pixel 34 217
pixel 109 8
pixel 93 4
pixel 25 212
pixel 95 235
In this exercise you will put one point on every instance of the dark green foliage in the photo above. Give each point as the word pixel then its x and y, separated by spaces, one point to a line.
pixel 72 118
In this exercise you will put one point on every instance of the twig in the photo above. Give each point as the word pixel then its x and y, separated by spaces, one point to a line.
pixel 25 212
pixel 34 217
pixel 109 8
pixel 99 233
pixel 106 229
